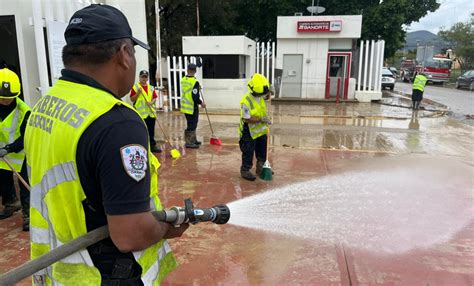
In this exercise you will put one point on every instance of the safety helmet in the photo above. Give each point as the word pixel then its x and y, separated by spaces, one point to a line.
pixel 259 85
pixel 10 84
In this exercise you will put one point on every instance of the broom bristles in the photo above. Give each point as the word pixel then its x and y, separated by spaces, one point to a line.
pixel 216 141
pixel 175 154
pixel 266 174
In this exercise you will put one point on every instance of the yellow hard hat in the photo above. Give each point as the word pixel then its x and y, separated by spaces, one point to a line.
pixel 259 84
pixel 10 84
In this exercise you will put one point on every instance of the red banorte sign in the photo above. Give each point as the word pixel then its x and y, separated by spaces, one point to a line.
pixel 319 26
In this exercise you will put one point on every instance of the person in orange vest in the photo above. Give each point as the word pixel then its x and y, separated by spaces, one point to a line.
pixel 144 96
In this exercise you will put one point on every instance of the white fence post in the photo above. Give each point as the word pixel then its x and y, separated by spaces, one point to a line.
pixel 372 63
pixel 377 82
pixel 365 64
pixel 273 62
pixel 258 58
pixel 361 56
pixel 268 61
pixel 170 92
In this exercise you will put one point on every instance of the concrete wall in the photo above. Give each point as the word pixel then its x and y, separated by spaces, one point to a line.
pixel 224 93
pixel 222 45
pixel 314 47
pixel 314 53
pixel 22 10
pixel 61 9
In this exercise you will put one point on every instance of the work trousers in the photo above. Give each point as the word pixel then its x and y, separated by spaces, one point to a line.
pixel 150 125
pixel 192 120
pixel 7 189
pixel 249 147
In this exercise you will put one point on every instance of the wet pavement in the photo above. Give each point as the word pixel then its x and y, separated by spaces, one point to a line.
pixel 459 101
pixel 324 145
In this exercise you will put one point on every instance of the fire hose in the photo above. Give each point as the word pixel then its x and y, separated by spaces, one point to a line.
pixel 176 216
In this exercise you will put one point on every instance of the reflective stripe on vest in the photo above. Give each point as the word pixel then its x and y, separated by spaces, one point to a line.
pixel 56 211
pixel 10 131
pixel 187 101
pixel 141 103
pixel 257 109
pixel 419 82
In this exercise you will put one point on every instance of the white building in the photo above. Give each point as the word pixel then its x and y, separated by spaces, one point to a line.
pixel 316 55
pixel 228 63
pixel 25 24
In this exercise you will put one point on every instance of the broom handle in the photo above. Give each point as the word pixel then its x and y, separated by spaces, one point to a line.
pixel 268 134
pixel 205 108
pixel 17 174
pixel 156 119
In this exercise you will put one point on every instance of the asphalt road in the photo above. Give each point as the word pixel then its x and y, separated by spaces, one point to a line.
pixel 459 101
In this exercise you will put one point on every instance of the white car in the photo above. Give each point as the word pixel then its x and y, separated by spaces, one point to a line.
pixel 388 79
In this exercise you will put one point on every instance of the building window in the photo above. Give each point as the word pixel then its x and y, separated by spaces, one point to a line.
pixel 223 66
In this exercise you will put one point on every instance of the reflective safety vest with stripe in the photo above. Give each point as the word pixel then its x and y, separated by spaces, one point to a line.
pixel 56 210
pixel 420 82
pixel 187 102
pixel 10 131
pixel 141 103
pixel 257 109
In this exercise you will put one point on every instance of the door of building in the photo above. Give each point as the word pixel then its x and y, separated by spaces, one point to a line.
pixel 292 78
pixel 9 57
pixel 338 74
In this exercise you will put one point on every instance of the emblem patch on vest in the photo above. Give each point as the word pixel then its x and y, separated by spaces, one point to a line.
pixel 135 161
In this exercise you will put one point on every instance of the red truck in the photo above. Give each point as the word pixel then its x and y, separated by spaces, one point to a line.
pixel 437 69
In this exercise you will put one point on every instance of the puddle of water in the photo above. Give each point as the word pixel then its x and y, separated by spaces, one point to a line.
pixel 393 207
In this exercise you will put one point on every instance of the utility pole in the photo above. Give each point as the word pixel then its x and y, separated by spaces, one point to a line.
pixel 158 47
pixel 197 17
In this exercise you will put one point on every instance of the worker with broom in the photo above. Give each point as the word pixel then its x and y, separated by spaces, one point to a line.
pixel 190 101
pixel 91 164
pixel 254 124
pixel 14 115
pixel 144 95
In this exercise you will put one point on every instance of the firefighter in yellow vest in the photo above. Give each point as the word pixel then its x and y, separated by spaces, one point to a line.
pixel 144 96
pixel 91 165
pixel 190 101
pixel 14 115
pixel 254 126
pixel 419 84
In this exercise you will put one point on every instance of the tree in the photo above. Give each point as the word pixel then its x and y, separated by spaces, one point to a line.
pixel 257 19
pixel 461 39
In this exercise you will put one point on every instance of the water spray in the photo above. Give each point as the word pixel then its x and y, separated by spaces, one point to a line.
pixel 219 214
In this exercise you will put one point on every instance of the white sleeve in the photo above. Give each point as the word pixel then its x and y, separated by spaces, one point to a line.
pixel 246 111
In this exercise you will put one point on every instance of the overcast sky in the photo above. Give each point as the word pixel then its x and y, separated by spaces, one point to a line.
pixel 450 12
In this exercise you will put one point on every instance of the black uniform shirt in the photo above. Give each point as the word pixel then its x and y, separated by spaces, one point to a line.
pixel 103 176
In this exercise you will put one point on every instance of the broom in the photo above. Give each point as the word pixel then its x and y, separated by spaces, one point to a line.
pixel 214 139
pixel 20 178
pixel 267 173
pixel 175 154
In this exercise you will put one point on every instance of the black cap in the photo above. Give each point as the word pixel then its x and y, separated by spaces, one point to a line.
pixel 143 72
pixel 192 66
pixel 98 23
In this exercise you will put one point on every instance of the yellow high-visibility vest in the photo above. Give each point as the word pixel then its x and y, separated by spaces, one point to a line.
pixel 56 211
pixel 258 109
pixel 10 131
pixel 420 82
pixel 187 101
pixel 141 103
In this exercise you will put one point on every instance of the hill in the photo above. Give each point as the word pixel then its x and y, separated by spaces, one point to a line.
pixel 415 38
